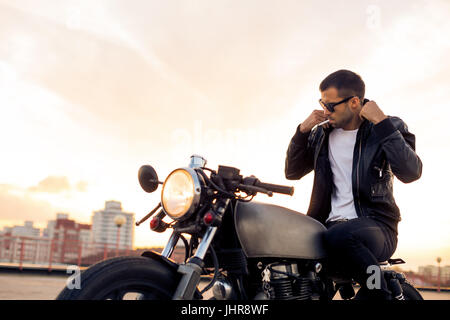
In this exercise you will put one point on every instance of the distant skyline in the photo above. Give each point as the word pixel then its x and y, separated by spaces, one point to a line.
pixel 90 91
pixel 405 267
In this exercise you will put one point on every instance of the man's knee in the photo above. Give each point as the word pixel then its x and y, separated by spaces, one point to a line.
pixel 335 240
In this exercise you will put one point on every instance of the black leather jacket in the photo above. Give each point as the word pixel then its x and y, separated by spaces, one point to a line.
pixel 381 151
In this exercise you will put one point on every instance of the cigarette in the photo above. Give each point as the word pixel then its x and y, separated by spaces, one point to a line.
pixel 319 124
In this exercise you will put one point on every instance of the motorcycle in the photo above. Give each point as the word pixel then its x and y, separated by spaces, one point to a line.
pixel 246 250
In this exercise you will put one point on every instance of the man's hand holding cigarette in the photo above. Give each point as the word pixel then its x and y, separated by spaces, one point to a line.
pixel 317 117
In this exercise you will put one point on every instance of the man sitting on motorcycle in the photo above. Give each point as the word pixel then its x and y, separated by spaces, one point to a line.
pixel 354 157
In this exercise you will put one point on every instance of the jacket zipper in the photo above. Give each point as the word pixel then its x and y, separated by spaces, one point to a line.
pixel 357 176
pixel 318 151
pixel 380 170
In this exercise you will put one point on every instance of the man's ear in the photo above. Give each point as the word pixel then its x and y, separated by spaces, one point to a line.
pixel 355 105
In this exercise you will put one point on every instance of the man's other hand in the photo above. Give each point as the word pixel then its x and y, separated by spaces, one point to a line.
pixel 372 112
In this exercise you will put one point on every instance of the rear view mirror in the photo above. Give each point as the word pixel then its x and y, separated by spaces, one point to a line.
pixel 148 179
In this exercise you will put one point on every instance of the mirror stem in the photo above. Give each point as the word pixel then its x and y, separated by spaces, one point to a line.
pixel 149 214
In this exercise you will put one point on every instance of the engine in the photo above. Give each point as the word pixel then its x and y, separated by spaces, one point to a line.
pixel 284 281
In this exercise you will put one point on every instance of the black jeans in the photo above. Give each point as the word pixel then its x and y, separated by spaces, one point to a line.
pixel 356 244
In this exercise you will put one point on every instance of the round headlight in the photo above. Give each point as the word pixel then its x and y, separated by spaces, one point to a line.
pixel 181 193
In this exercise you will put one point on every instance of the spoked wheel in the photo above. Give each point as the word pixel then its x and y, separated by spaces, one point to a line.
pixel 125 278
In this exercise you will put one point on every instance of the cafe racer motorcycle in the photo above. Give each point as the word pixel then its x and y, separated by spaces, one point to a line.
pixel 245 250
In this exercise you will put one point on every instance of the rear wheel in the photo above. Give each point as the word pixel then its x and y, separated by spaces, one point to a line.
pixel 125 278
pixel 410 293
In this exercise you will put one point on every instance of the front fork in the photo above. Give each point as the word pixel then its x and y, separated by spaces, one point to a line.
pixel 192 270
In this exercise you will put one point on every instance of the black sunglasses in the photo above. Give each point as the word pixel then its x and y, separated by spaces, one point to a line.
pixel 330 106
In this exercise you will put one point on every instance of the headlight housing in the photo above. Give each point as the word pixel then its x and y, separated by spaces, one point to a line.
pixel 180 194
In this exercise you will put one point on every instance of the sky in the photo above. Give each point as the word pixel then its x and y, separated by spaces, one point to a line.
pixel 90 91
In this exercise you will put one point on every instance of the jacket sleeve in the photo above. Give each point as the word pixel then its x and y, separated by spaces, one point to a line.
pixel 399 146
pixel 299 156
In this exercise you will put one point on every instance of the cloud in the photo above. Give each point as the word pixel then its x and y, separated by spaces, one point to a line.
pixel 58 184
pixel 22 207
pixel 52 184
pixel 20 204
pixel 81 186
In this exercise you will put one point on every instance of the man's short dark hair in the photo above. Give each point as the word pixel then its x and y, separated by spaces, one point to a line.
pixel 346 82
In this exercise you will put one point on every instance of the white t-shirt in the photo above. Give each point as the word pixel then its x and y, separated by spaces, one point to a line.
pixel 340 152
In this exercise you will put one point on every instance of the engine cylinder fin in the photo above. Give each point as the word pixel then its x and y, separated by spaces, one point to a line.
pixel 287 290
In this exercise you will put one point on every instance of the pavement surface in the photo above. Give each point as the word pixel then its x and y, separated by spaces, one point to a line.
pixel 47 287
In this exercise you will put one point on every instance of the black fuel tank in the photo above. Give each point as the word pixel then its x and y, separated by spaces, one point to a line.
pixel 267 230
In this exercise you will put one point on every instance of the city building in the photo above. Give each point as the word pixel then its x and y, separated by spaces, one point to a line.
pixel 27 230
pixel 69 239
pixel 105 231
pixel 431 272
pixel 65 241
pixel 49 231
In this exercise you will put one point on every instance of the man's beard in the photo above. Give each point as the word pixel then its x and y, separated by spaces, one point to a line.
pixel 342 123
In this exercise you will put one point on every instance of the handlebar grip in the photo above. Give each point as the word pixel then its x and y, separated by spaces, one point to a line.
pixel 276 188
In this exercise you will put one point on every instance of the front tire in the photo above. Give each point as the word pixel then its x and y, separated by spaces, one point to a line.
pixel 124 277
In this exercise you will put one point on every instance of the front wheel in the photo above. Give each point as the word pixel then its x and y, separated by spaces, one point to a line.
pixel 124 278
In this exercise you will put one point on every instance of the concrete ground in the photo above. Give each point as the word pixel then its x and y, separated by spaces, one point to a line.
pixel 30 287
pixel 47 287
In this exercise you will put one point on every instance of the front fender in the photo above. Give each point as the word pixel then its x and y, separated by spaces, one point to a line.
pixel 160 258
pixel 172 265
